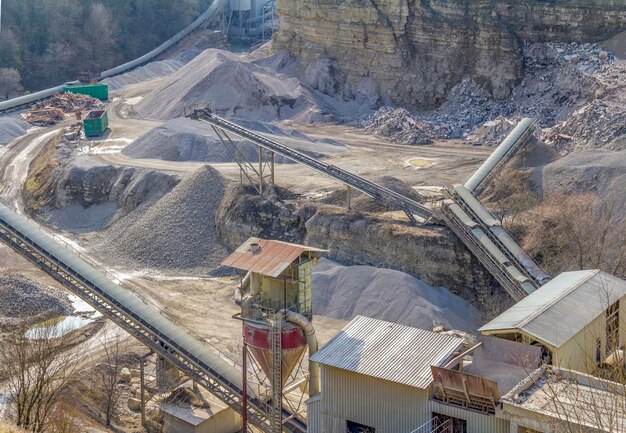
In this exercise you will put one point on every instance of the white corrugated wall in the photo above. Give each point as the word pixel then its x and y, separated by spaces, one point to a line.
pixel 387 406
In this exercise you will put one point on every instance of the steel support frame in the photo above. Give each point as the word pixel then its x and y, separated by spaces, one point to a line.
pixel 260 174
pixel 144 332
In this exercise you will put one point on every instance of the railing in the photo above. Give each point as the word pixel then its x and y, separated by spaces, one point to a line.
pixel 433 426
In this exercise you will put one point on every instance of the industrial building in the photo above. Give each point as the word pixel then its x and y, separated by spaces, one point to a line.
pixel 376 377
pixel 575 318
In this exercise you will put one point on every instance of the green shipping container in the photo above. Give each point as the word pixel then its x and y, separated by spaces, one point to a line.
pixel 98 91
pixel 96 123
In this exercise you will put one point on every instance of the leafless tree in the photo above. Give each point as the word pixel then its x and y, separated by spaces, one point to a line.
pixel 36 370
pixel 108 372
pixel 578 232
pixel 10 82
pixel 99 30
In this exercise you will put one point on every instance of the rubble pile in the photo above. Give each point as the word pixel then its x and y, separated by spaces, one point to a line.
pixel 52 111
pixel 398 126
pixel 561 81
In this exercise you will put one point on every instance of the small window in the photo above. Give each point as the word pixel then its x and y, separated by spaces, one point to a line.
pixel 355 427
pixel 598 352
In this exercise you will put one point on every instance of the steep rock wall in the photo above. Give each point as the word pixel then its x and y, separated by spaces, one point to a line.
pixel 417 50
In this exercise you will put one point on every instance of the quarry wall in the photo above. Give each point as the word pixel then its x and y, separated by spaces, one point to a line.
pixel 416 51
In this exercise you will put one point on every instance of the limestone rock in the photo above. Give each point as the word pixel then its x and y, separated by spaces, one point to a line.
pixel 418 51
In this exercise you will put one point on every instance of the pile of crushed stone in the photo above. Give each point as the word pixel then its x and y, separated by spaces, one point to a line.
pixel 599 171
pixel 229 85
pixel 492 132
pixel 12 127
pixel 398 126
pixel 21 299
pixel 158 69
pixel 183 139
pixel 343 292
pixel 176 234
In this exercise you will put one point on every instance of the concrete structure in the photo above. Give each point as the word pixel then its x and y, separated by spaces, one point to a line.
pixel 213 417
pixel 555 400
pixel 575 318
pixel 376 377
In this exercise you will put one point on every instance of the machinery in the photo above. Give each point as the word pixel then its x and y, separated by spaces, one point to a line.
pixel 276 311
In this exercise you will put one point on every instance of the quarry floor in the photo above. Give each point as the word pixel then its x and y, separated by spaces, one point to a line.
pixel 206 305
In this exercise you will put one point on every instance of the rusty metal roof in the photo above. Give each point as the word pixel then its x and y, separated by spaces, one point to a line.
pixel 388 351
pixel 272 258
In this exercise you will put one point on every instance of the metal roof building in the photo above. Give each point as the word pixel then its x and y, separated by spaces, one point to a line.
pixel 376 377
pixel 568 316
pixel 388 351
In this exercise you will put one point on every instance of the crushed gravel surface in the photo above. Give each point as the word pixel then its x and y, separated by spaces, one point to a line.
pixel 21 299
pixel 11 128
pixel 230 85
pixel 158 69
pixel 342 292
pixel 177 234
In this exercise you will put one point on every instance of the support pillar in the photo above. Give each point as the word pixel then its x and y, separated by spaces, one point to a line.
pixel 273 165
pixel 244 391
pixel 260 170
pixel 142 388
pixel 349 197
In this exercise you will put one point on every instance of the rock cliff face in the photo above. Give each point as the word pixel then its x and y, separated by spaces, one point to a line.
pixel 432 254
pixel 416 51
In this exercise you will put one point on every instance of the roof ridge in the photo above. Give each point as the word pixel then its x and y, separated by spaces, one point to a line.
pixel 561 296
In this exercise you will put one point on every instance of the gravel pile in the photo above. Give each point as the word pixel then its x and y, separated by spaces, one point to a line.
pixel 230 85
pixel 11 128
pixel 398 126
pixel 158 69
pixel 176 234
pixel 23 300
pixel 184 139
pixel 598 171
pixel 492 132
pixel 343 292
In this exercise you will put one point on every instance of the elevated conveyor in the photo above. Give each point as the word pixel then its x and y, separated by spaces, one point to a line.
pixel 410 207
pixel 201 362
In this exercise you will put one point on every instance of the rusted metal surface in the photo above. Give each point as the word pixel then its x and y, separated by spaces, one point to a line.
pixel 464 389
pixel 271 258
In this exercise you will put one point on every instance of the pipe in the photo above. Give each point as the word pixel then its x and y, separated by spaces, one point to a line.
pixel 309 331
pixel 243 288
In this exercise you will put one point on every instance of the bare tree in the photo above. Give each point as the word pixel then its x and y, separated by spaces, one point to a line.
pixel 578 232
pixel 10 82
pixel 99 31
pixel 36 369
pixel 108 372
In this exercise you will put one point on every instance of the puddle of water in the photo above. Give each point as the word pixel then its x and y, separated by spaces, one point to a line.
pixel 420 162
pixel 82 307
pixel 58 327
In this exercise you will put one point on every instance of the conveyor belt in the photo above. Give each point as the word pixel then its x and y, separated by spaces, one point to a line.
pixel 410 207
pixel 199 361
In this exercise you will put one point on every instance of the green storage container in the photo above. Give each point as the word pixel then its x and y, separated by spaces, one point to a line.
pixel 98 91
pixel 96 123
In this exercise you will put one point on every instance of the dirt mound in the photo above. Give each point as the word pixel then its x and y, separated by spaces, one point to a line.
pixel 148 72
pixel 177 233
pixel 11 128
pixel 492 132
pixel 229 85
pixel 22 299
pixel 343 292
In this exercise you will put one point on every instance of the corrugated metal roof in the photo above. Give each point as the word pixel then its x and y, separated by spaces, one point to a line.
pixel 272 258
pixel 389 351
pixel 561 308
